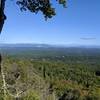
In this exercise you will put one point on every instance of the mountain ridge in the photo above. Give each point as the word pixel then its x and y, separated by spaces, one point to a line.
pixel 39 45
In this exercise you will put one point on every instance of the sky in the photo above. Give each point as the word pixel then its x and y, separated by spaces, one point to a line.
pixel 79 23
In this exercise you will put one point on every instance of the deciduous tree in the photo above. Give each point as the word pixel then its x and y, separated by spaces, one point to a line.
pixel 34 6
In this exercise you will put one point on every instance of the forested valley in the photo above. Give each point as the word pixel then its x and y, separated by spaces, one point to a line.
pixel 50 73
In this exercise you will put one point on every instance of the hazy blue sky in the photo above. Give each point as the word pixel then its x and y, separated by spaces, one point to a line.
pixel 78 24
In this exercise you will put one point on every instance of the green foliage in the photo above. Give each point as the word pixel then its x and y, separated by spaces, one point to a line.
pixel 70 95
pixel 32 96
pixel 35 6
pixel 69 76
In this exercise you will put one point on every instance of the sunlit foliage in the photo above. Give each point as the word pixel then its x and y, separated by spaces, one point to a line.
pixel 44 6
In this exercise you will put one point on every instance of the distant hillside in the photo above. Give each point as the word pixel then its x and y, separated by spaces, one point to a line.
pixel 48 45
pixel 47 50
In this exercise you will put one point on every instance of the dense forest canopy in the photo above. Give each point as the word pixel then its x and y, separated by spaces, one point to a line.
pixel 62 73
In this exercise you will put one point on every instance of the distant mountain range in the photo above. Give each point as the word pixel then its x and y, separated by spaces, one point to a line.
pixel 48 45
pixel 24 45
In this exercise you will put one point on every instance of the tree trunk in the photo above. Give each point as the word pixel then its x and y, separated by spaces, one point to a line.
pixel 2 15
pixel 2 19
